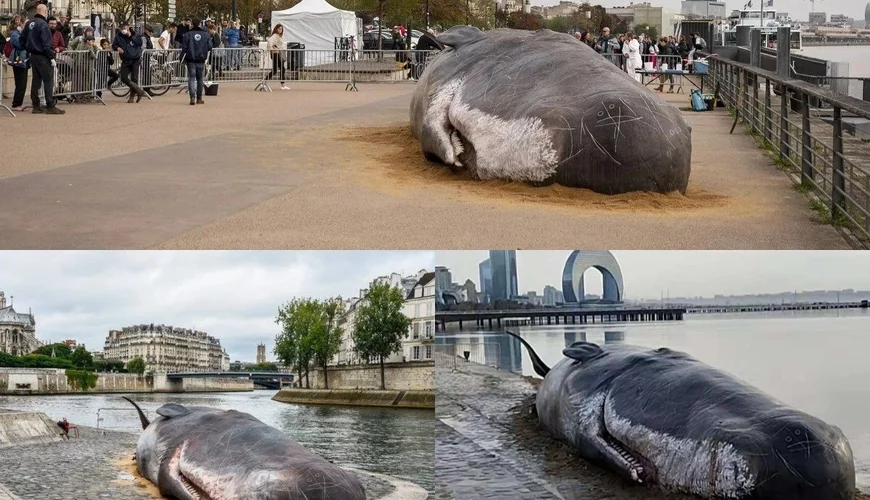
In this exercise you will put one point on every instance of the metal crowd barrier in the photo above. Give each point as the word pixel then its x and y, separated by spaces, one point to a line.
pixel 74 76
pixel 2 89
pixel 820 138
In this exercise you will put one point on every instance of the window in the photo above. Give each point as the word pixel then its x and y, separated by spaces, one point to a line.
pixel 428 329
pixel 416 330
pixel 416 352
pixel 428 352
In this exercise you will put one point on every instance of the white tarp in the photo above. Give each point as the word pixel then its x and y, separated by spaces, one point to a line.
pixel 316 24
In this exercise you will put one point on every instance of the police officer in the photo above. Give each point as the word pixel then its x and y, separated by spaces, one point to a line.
pixel 195 47
pixel 37 41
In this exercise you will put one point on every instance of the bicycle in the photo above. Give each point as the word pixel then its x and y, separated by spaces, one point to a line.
pixel 161 73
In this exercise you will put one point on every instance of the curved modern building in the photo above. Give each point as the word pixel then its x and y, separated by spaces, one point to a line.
pixel 581 260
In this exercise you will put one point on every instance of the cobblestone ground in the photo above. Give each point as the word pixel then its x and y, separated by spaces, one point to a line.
pixel 87 468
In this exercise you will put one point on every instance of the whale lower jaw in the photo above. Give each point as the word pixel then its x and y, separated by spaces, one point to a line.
pixel 489 146
pixel 187 482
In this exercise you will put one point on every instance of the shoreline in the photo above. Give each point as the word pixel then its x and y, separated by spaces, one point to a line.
pixel 417 400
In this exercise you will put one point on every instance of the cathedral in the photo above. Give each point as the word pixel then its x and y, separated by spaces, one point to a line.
pixel 17 331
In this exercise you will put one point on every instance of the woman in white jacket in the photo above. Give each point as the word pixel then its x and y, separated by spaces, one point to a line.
pixel 633 60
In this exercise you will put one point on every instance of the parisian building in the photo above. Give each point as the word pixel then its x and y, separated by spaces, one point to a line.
pixel 167 348
pixel 17 330
pixel 419 306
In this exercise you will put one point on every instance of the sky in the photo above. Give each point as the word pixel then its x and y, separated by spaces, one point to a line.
pixel 647 274
pixel 798 9
pixel 233 296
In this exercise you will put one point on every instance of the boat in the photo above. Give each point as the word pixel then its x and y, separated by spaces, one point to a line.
pixel 765 19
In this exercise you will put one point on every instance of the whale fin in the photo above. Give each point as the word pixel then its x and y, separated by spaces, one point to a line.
pixel 539 366
pixel 583 351
pixel 142 417
pixel 458 36
pixel 170 410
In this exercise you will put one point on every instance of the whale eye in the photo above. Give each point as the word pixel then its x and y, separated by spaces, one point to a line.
pixel 788 439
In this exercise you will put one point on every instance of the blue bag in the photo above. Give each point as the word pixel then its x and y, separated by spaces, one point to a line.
pixel 698 103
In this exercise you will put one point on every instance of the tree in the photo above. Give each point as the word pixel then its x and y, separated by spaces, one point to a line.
pixel 60 349
pixel 325 333
pixel 380 325
pixel 522 21
pixel 262 367
pixel 82 358
pixel 136 365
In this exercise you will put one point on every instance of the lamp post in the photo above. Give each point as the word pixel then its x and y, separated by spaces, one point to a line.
pixel 427 15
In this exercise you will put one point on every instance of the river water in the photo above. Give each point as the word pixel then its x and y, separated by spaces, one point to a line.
pixel 813 361
pixel 396 442
pixel 857 56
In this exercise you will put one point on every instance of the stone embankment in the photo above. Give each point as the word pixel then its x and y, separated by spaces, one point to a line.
pixel 98 465
pixel 20 428
pixel 347 397
pixel 42 381
pixel 407 376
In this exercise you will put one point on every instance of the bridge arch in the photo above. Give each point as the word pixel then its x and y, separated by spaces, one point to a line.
pixel 578 262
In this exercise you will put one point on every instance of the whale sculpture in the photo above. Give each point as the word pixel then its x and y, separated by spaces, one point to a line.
pixel 199 453
pixel 660 417
pixel 543 108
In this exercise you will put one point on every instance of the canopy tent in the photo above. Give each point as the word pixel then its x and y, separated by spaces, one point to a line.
pixel 316 24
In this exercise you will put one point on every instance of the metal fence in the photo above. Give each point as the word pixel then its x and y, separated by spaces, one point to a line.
pixel 453 356
pixel 85 76
pixel 816 133
pixel 3 89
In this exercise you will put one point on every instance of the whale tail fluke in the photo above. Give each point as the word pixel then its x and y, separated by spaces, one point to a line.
pixel 540 367
pixel 142 417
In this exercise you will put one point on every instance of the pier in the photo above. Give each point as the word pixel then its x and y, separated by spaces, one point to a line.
pixel 557 316
pixel 722 309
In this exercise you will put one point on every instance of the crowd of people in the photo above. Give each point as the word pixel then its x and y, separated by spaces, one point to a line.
pixel 630 52
pixel 36 47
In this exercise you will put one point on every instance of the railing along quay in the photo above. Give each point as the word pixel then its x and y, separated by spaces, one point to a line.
pixel 816 134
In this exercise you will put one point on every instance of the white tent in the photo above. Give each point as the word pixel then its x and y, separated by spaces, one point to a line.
pixel 316 24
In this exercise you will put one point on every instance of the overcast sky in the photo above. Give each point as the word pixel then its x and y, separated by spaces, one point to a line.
pixel 798 9
pixel 232 295
pixel 686 273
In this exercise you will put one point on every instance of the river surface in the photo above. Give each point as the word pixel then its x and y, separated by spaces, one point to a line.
pixel 857 56
pixel 392 441
pixel 813 361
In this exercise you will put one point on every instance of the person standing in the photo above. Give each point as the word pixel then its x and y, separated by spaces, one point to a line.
pixel 216 60
pixel 58 41
pixel 165 40
pixel 183 28
pixel 632 56
pixel 129 47
pixel 277 49
pixel 232 36
pixel 18 59
pixel 194 49
pixel 38 42
pixel 668 59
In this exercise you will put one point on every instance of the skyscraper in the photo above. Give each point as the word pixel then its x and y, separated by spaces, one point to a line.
pixel 867 16
pixel 485 269
pixel 504 274
pixel 443 280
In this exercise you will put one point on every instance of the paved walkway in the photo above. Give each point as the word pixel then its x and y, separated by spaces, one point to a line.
pixel 252 170
pixel 99 466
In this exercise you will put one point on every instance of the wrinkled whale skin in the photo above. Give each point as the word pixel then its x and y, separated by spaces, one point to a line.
pixel 543 108
pixel 198 453
pixel 661 417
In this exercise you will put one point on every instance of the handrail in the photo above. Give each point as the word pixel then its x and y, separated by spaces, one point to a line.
pixel 847 103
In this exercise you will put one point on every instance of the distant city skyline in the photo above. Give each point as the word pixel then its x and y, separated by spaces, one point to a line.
pixel 233 296
pixel 650 274
pixel 797 9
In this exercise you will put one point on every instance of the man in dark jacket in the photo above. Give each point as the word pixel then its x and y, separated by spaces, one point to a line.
pixel 129 47
pixel 37 40
pixel 195 47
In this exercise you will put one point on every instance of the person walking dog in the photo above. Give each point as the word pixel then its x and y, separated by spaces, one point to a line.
pixel 195 48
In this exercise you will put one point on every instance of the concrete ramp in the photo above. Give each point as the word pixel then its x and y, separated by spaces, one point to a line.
pixel 20 428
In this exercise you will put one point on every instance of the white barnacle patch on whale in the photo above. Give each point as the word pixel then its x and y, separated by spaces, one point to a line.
pixel 438 123
pixel 706 468
pixel 582 417
pixel 519 149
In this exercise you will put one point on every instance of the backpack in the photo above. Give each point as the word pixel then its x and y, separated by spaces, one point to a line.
pixel 698 103
pixel 7 49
